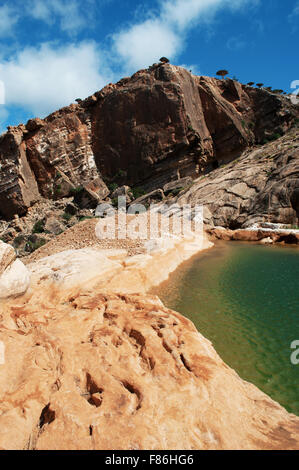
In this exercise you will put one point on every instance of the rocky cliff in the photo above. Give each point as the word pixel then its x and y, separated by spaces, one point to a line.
pixel 262 185
pixel 161 124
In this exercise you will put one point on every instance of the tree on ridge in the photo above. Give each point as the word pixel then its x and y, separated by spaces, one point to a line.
pixel 222 73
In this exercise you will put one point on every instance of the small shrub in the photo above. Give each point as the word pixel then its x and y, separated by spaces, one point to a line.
pixel 57 188
pixel 121 173
pixel 67 216
pixel 274 136
pixel 177 191
pixel 112 187
pixel 32 246
pixel 77 190
pixel 38 227
pixel 138 192
pixel 115 202
pixel 18 241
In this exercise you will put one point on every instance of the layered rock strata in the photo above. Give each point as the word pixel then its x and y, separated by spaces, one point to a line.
pixel 160 124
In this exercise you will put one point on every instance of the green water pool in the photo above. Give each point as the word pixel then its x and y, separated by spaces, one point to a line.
pixel 245 299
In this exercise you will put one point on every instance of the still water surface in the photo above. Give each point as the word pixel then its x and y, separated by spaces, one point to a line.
pixel 245 299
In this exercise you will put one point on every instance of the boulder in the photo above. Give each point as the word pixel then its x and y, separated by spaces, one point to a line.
pixel 15 280
pixel 7 256
pixel 176 186
pixel 152 197
pixel 266 241
pixel 53 226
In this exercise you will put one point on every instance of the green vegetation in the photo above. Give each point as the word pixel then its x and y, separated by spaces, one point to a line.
pixel 272 137
pixel 177 191
pixel 77 190
pixel 292 227
pixel 121 174
pixel 138 192
pixel 114 202
pixel 32 246
pixel 57 188
pixel 112 187
pixel 18 241
pixel 39 227
pixel 66 216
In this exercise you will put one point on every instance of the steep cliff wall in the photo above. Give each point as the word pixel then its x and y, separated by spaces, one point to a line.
pixel 145 130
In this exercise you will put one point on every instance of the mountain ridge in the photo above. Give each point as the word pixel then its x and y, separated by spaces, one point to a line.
pixel 161 124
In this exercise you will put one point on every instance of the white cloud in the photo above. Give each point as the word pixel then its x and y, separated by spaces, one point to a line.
pixel 144 43
pixel 46 78
pixel 8 19
pixel 164 33
pixel 293 17
pixel 67 13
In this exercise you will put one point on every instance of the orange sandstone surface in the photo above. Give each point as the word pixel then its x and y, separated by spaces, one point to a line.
pixel 91 361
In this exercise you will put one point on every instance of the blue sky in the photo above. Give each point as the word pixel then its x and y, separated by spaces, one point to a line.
pixel 54 51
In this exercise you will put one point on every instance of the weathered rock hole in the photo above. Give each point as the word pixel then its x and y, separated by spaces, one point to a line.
pixel 133 390
pixel 91 385
pixel 185 362
pixel 166 347
pixel 139 338
pixel 47 416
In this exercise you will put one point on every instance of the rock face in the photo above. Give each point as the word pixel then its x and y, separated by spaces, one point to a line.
pixel 261 186
pixel 158 125
pixel 14 276
pixel 85 370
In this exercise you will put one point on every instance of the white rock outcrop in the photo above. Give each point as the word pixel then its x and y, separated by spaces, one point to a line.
pixel 14 276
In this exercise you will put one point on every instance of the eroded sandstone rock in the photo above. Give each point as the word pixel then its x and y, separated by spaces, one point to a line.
pixel 14 276
pixel 85 370
pixel 7 256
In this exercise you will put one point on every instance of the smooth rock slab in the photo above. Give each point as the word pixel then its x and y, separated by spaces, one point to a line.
pixel 90 371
